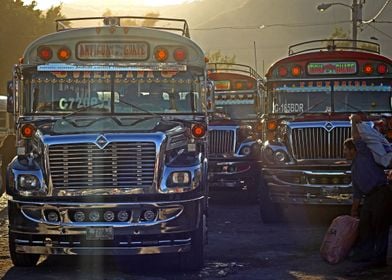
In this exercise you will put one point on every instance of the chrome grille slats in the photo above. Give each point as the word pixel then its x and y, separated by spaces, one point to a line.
pixel 118 165
pixel 221 141
pixel 317 142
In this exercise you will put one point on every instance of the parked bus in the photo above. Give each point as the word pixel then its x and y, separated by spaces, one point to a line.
pixel 310 96
pixel 111 143
pixel 234 131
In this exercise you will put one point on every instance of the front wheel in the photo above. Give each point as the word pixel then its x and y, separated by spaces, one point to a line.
pixel 194 259
pixel 20 259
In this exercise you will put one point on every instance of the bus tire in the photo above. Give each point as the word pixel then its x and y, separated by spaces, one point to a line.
pixel 20 259
pixel 269 211
pixel 193 260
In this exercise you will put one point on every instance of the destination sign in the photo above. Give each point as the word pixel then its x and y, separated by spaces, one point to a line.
pixel 332 68
pixel 112 50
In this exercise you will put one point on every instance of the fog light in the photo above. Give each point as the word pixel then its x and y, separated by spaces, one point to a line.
pixel 123 216
pixel 108 216
pixel 94 215
pixel 52 217
pixel 149 215
pixel 79 216
pixel 335 181
pixel 312 180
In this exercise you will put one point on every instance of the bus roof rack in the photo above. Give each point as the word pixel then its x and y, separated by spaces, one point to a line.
pixel 333 45
pixel 168 24
pixel 215 67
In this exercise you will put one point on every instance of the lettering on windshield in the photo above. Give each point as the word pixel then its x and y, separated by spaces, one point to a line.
pixel 289 108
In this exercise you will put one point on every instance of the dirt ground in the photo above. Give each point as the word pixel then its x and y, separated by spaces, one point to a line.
pixel 240 247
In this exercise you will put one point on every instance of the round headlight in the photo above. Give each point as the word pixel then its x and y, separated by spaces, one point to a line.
pixel 94 216
pixel 149 215
pixel 79 216
pixel 123 216
pixel 246 150
pixel 280 156
pixel 108 216
pixel 53 217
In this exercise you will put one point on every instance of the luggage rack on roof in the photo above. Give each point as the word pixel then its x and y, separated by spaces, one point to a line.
pixel 129 21
pixel 334 45
pixel 216 67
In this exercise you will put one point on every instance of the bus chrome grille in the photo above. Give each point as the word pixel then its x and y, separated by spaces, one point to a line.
pixel 118 165
pixel 221 141
pixel 318 143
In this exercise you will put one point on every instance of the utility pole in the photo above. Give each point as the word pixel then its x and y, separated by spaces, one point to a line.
pixel 356 16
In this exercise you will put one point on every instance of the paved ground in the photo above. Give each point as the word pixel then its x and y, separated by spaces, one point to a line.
pixel 240 247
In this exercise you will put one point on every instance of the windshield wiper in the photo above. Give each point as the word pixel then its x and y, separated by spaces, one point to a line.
pixel 139 108
pixel 82 110
pixel 311 107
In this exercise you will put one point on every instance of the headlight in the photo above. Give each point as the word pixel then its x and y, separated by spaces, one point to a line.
pixel 246 150
pixel 179 178
pixel 28 182
pixel 280 156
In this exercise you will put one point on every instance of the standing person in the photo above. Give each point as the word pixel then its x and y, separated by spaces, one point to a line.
pixel 370 183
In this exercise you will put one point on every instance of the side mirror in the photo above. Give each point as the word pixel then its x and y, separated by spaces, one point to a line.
pixel 10 97
pixel 210 96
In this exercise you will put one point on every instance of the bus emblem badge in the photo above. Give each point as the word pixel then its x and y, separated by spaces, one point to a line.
pixel 101 142
pixel 328 126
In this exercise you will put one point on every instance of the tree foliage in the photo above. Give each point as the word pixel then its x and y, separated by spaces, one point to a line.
pixel 20 24
pixel 218 57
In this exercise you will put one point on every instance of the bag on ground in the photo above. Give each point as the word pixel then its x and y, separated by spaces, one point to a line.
pixel 339 239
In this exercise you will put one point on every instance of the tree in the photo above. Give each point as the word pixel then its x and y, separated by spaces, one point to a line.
pixel 218 57
pixel 20 24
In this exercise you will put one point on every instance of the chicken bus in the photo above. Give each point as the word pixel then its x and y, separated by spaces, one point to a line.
pixel 235 130
pixel 310 96
pixel 111 126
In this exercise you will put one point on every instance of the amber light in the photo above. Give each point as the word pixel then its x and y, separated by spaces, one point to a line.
pixel 282 71
pixel 382 69
pixel 272 125
pixel 27 130
pixel 179 54
pixel 389 134
pixel 198 130
pixel 296 71
pixel 64 53
pixel 161 54
pixel 45 53
pixel 368 69
pixel 238 85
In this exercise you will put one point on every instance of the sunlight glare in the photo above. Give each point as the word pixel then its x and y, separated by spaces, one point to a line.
pixel 156 3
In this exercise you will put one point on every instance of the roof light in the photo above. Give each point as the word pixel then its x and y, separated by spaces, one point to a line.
pixel 179 54
pixel 282 71
pixel 382 69
pixel 45 53
pixel 198 130
pixel 161 54
pixel 368 69
pixel 64 53
pixel 27 130
pixel 239 85
pixel 296 71
pixel 272 125
pixel 250 85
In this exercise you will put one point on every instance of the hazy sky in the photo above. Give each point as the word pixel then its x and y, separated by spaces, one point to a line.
pixel 45 4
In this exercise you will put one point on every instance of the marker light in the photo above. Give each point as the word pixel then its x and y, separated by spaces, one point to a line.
pixel 239 85
pixel 161 54
pixel 45 53
pixel 250 85
pixel 179 54
pixel 64 53
pixel 272 125
pixel 198 130
pixel 27 130
pixel 296 71
pixel 282 71
pixel 368 69
pixel 382 69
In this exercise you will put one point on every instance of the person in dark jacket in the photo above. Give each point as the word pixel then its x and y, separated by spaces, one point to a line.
pixel 370 184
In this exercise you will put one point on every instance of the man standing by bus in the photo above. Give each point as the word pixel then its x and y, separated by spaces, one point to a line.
pixel 370 183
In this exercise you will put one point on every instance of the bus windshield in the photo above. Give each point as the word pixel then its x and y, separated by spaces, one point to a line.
pixel 129 92
pixel 338 96
pixel 240 109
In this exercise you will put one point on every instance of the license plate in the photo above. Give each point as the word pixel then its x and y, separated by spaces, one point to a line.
pixel 100 233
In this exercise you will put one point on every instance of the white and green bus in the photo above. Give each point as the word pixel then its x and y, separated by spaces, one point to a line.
pixel 111 122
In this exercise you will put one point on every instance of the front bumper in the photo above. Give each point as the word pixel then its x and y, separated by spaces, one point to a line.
pixel 232 174
pixel 169 232
pixel 316 187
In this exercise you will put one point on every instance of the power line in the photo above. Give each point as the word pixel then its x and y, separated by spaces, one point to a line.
pixel 380 31
pixel 378 14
